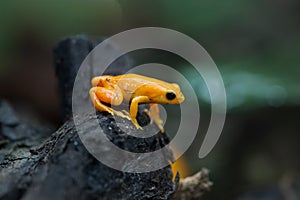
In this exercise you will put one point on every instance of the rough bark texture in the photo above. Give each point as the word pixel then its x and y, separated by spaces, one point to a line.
pixel 61 168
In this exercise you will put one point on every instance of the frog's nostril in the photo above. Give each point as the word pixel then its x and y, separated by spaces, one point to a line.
pixel 181 98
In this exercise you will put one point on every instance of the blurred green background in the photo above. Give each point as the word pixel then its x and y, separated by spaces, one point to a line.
pixel 255 44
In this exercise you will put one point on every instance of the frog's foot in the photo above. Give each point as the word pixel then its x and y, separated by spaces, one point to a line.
pixel 115 112
pixel 160 125
pixel 154 116
pixel 159 122
pixel 125 112
pixel 119 113
pixel 136 124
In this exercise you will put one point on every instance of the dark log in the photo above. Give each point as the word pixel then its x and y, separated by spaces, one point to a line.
pixel 68 56
pixel 60 167
pixel 35 164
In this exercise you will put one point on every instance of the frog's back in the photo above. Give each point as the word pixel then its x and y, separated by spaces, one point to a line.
pixel 139 80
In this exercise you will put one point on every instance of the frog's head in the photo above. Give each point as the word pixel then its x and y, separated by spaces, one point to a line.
pixel 173 94
pixel 163 93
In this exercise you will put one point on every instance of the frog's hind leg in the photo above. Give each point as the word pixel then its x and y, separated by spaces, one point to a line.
pixel 110 96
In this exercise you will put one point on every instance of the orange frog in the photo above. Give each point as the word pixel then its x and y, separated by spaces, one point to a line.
pixel 134 89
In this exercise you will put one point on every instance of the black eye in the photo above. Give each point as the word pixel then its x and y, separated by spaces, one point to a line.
pixel 170 95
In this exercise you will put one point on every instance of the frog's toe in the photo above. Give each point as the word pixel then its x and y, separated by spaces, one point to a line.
pixel 109 111
pixel 138 127
pixel 120 114
pixel 161 128
pixel 136 124
pixel 147 111
pixel 125 112
pixel 159 122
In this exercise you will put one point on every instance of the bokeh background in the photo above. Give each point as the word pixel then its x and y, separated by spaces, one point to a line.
pixel 255 44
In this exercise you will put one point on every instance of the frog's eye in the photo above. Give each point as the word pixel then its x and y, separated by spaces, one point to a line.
pixel 170 95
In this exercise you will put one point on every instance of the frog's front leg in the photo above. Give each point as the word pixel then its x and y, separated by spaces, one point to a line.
pixel 112 96
pixel 153 113
pixel 134 109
